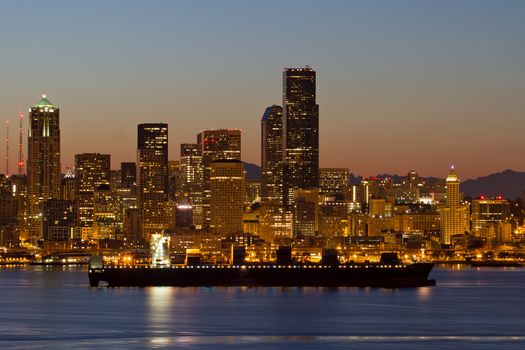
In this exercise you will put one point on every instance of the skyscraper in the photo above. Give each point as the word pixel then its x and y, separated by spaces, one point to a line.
pixel 43 163
pixel 221 144
pixel 334 181
pixel 92 170
pixel 128 173
pixel 67 186
pixel 272 156
pixel 106 208
pixel 454 215
pixel 227 186
pixel 191 181
pixel 300 131
pixel 488 214
pixel 306 214
pixel 152 178
pixel 275 220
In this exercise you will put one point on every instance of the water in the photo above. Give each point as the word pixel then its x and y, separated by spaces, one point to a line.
pixel 53 308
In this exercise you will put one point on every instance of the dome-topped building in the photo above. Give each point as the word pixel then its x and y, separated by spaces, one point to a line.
pixel 44 102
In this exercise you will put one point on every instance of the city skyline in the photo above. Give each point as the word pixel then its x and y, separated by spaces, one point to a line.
pixel 262 174
pixel 383 91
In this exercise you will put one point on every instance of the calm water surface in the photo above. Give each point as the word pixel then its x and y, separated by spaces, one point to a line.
pixel 53 308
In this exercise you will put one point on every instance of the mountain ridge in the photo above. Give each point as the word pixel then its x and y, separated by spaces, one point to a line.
pixel 507 183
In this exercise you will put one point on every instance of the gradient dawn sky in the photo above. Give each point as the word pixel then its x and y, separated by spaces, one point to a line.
pixel 401 85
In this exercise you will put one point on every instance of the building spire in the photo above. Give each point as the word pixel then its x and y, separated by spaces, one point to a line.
pixel 452 176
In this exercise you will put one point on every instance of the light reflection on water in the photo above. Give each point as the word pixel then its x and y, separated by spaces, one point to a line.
pixel 43 308
pixel 160 302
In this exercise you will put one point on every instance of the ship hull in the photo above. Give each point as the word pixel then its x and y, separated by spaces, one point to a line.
pixel 415 275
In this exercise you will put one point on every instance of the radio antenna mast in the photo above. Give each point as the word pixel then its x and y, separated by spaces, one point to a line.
pixel 20 145
pixel 7 148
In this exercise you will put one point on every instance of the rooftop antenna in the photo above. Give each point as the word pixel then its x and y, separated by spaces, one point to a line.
pixel 20 145
pixel 7 148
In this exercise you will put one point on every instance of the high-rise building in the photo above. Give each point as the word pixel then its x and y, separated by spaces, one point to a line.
pixel 306 213
pixel 221 144
pixel 19 192
pixel 92 170
pixel 128 173
pixel 253 192
pixel 152 176
pixel 191 181
pixel 454 215
pixel 227 185
pixel 43 163
pixel 300 132
pixel 173 179
pixel 333 216
pixel 67 186
pixel 107 207
pixel 272 156
pixel 276 222
pixel 59 222
pixel 488 214
pixel 333 181
pixel 183 217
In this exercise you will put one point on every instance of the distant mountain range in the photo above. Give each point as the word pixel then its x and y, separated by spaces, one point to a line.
pixel 253 171
pixel 508 183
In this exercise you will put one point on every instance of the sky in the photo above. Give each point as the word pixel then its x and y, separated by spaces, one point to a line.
pixel 401 85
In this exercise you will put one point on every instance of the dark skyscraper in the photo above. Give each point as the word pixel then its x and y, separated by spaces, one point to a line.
pixel 272 156
pixel 152 176
pixel 300 132
pixel 43 163
pixel 128 173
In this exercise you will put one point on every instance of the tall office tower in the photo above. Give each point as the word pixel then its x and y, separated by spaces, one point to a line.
pixel 67 186
pixel 454 215
pixel 8 203
pixel 191 181
pixel 43 162
pixel 306 214
pixel 106 209
pixel 333 181
pixel 253 192
pixel 128 173
pixel 300 132
pixel 152 176
pixel 227 185
pixel 275 220
pixel 221 144
pixel 272 156
pixel 409 189
pixel 173 179
pixel 333 216
pixel 488 214
pixel 115 179
pixel 19 192
pixel 59 222
pixel 92 170
pixel 11 214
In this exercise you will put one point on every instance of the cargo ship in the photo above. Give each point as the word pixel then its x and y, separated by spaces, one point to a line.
pixel 389 272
